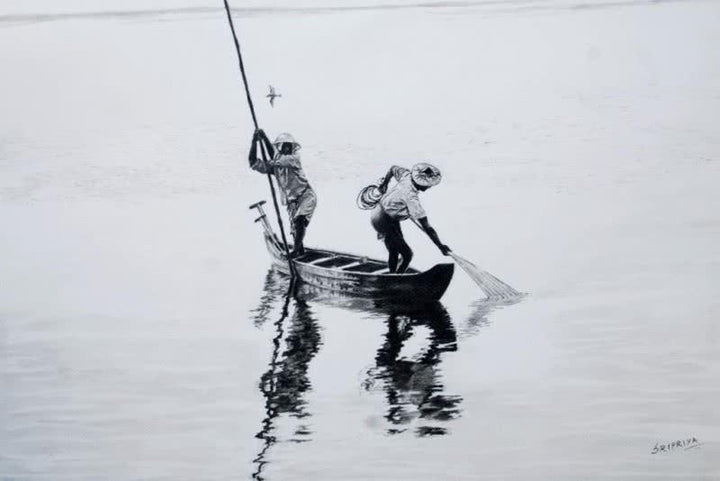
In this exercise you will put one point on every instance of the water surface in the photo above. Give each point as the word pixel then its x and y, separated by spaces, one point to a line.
pixel 142 335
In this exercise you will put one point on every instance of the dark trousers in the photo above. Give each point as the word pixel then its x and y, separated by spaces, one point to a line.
pixel 389 231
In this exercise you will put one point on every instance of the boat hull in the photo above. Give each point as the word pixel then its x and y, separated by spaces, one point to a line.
pixel 412 286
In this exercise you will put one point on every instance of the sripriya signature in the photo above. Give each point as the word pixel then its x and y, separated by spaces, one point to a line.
pixel 683 444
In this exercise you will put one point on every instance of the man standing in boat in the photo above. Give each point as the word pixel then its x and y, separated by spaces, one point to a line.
pixel 296 193
pixel 401 203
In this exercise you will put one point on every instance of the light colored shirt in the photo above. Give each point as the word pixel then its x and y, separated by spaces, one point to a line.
pixel 289 173
pixel 402 201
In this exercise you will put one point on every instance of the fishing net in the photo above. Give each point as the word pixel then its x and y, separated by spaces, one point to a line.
pixel 494 288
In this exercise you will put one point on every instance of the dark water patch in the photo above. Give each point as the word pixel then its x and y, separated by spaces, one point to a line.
pixel 424 431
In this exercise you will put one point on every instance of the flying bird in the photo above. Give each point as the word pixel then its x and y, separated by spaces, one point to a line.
pixel 271 95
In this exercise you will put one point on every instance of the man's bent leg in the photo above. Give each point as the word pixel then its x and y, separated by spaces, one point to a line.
pixel 393 254
pixel 406 253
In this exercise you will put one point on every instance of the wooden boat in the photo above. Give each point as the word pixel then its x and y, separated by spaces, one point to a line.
pixel 355 275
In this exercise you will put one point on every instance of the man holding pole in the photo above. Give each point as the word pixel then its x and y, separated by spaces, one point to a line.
pixel 296 193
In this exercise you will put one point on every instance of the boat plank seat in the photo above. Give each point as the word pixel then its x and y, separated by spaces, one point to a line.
pixel 318 260
pixel 364 266
pixel 351 265
pixel 336 261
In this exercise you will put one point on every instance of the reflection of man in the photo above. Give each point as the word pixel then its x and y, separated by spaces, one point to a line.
pixel 412 386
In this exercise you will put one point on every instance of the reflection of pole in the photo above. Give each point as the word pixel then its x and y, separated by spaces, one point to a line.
pixel 271 409
pixel 284 383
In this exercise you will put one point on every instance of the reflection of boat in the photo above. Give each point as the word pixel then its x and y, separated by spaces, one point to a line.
pixel 407 367
pixel 411 382
pixel 408 362
pixel 356 275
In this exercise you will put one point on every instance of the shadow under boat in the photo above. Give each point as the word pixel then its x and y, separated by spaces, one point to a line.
pixel 357 276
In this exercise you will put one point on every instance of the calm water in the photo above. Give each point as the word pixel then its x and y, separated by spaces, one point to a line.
pixel 143 336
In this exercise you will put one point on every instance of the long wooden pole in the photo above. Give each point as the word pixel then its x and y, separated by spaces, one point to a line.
pixel 262 147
